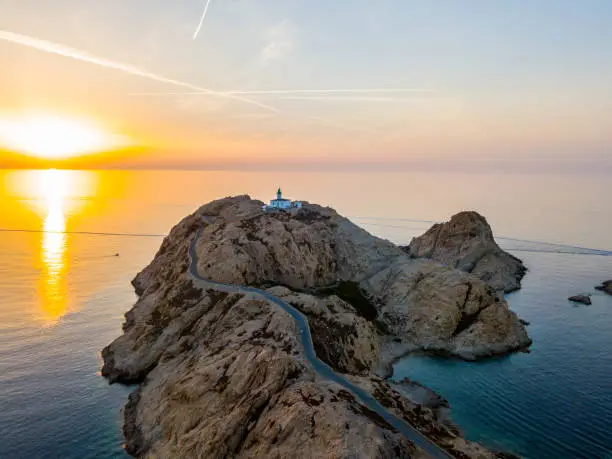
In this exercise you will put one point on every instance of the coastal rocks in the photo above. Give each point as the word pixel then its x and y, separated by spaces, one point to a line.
pixel 225 374
pixel 302 248
pixel 344 340
pixel 419 394
pixel 435 308
pixel 315 250
pixel 584 299
pixel 430 420
pixel 466 242
pixel 605 287
pixel 153 326
pixel 233 383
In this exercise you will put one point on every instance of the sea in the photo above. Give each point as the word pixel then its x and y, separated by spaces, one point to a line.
pixel 71 241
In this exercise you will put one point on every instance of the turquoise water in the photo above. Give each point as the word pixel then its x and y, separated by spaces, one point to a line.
pixel 63 296
pixel 555 402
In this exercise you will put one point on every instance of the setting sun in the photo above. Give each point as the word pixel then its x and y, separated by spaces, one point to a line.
pixel 54 137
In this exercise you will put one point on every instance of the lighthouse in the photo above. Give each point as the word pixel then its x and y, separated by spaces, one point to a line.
pixel 281 203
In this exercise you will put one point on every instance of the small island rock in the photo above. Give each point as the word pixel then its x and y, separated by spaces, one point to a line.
pixel 605 287
pixel 584 299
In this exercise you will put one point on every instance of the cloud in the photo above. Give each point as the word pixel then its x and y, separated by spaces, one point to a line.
pixel 280 41
pixel 255 116
pixel 326 98
pixel 323 94
pixel 326 91
pixel 62 50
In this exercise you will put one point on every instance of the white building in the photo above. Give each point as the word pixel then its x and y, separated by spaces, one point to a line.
pixel 282 203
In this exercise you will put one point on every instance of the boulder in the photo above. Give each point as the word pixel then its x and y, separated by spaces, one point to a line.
pixel 442 310
pixel 605 287
pixel 584 299
pixel 420 394
pixel 466 242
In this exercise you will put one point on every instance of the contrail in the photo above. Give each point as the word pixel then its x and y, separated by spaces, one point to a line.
pixel 237 95
pixel 329 95
pixel 327 91
pixel 315 92
pixel 55 48
pixel 195 35
pixel 349 98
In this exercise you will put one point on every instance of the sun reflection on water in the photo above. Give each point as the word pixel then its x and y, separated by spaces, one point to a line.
pixel 56 197
pixel 53 186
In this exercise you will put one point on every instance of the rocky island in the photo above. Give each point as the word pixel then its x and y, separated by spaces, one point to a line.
pixel 466 242
pixel 236 303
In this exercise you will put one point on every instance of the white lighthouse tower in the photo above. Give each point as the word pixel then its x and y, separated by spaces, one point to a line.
pixel 281 203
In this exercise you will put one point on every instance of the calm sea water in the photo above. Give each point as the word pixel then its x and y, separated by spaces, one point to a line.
pixel 63 294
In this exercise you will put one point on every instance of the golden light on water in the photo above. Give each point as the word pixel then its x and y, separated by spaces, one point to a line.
pixel 54 185
pixel 54 137
pixel 55 196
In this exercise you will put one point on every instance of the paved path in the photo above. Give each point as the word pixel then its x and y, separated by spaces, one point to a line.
pixel 318 365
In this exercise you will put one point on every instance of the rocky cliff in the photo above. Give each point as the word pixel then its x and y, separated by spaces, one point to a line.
pixel 224 375
pixel 466 242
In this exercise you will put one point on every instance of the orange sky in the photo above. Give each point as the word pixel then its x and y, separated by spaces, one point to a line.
pixel 278 83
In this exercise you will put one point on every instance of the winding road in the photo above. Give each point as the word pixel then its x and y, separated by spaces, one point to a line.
pixel 320 367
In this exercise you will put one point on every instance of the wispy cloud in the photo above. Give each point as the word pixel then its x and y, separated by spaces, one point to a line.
pixel 257 116
pixel 280 41
pixel 328 98
pixel 382 95
pixel 191 89
pixel 195 35
pixel 326 91
pixel 310 94
pixel 62 50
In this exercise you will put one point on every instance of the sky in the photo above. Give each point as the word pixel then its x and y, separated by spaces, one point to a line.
pixel 297 83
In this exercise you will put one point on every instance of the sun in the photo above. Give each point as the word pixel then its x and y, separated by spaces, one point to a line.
pixel 55 137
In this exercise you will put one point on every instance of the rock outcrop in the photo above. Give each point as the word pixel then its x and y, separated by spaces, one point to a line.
pixel 584 299
pixel 224 375
pixel 342 338
pixel 605 287
pixel 420 394
pixel 439 309
pixel 228 379
pixel 466 242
